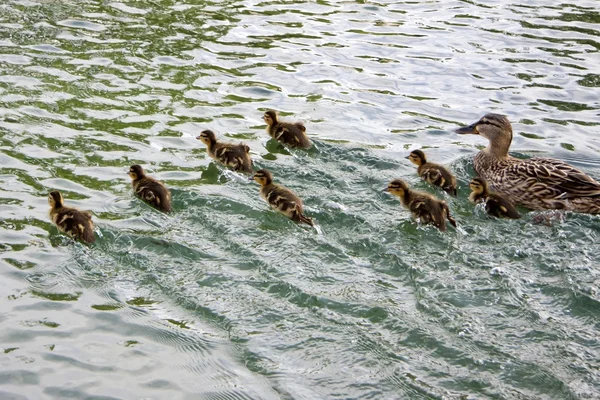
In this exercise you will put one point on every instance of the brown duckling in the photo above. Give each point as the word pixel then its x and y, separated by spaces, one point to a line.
pixel 425 207
pixel 291 134
pixel 149 189
pixel 281 198
pixel 433 174
pixel 75 223
pixel 236 156
pixel 495 204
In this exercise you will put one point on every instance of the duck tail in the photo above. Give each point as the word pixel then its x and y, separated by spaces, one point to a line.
pixel 88 234
pixel 449 217
pixel 303 218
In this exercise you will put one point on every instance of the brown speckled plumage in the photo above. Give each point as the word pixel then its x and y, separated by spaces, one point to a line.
pixel 69 220
pixel 494 203
pixel 434 174
pixel 235 156
pixel 423 206
pixel 536 183
pixel 281 198
pixel 150 190
pixel 291 134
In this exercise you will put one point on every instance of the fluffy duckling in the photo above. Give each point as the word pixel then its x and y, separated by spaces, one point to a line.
pixel 281 198
pixel 494 203
pixel 75 223
pixel 292 134
pixel 434 174
pixel 425 207
pixel 236 156
pixel 149 189
pixel 538 183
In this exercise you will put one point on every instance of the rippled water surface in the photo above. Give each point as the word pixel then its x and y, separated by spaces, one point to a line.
pixel 223 298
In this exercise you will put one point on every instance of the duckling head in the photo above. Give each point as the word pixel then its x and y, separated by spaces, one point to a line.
pixel 270 117
pixel 136 172
pixel 263 177
pixel 398 187
pixel 417 157
pixel 478 185
pixel 494 127
pixel 207 137
pixel 55 199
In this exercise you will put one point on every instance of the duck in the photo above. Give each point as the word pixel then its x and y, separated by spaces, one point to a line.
pixel 494 203
pixel 236 156
pixel 69 220
pixel 281 198
pixel 423 206
pixel 150 190
pixel 291 134
pixel 537 183
pixel 433 174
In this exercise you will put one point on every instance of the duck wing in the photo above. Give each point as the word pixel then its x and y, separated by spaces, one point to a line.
pixel 154 193
pixel 499 207
pixel 555 178
pixel 236 156
pixel 282 199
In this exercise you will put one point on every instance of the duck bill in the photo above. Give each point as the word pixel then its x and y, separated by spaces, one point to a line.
pixel 471 129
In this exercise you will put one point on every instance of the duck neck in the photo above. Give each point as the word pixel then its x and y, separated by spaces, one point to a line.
pixel 405 198
pixel 498 146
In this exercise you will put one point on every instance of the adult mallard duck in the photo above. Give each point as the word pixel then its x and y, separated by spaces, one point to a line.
pixel 281 198
pixel 75 223
pixel 494 203
pixel 433 174
pixel 536 183
pixel 425 207
pixel 149 189
pixel 291 134
pixel 236 156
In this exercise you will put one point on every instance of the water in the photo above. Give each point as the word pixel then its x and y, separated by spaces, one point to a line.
pixel 224 299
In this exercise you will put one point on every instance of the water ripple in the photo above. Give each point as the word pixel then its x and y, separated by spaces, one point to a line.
pixel 224 298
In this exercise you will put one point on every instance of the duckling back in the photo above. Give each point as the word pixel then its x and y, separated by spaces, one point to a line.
pixel 286 202
pixel 430 210
pixel 439 176
pixel 154 193
pixel 75 223
pixel 291 134
pixel 500 207
pixel 236 156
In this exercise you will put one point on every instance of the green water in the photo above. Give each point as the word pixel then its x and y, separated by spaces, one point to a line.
pixel 225 299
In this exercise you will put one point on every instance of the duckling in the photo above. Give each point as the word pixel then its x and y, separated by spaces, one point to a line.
pixel 494 203
pixel 281 198
pixel 433 174
pixel 75 223
pixel 236 156
pixel 292 134
pixel 536 183
pixel 149 189
pixel 425 207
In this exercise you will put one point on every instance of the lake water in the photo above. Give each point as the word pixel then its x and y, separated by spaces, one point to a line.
pixel 225 299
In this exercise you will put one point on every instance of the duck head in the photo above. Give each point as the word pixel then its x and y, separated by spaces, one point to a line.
pixel 398 187
pixel 270 117
pixel 55 199
pixel 263 177
pixel 417 157
pixel 136 172
pixel 207 137
pixel 494 127
pixel 478 185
